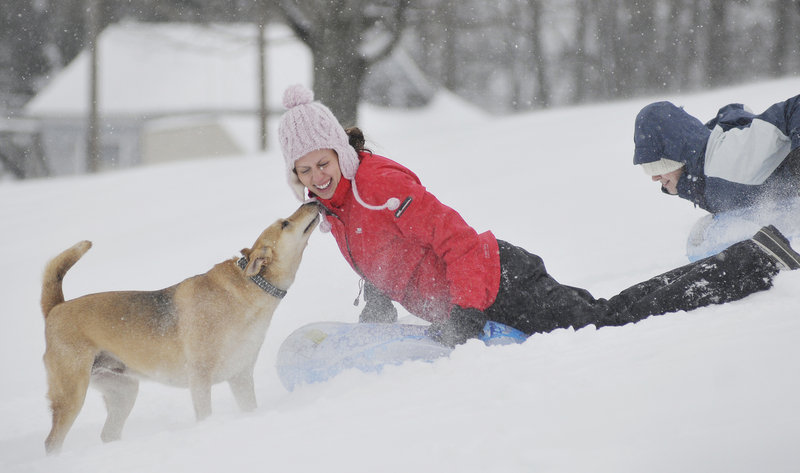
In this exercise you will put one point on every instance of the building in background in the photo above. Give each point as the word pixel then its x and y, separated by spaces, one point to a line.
pixel 167 92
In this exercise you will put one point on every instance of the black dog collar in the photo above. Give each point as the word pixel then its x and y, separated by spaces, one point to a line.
pixel 261 282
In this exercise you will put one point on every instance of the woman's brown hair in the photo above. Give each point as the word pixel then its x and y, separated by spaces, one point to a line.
pixel 356 138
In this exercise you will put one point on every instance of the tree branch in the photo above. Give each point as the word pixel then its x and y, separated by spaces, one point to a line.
pixel 400 17
pixel 296 19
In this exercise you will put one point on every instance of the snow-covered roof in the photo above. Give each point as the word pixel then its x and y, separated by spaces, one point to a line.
pixel 156 68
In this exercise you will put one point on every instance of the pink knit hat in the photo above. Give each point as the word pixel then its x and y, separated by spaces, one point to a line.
pixel 308 126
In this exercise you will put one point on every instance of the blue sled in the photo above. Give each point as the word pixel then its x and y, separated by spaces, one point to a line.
pixel 319 351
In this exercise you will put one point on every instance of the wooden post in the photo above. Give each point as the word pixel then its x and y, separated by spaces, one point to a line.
pixel 93 122
pixel 263 106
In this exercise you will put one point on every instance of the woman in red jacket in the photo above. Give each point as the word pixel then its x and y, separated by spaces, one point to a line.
pixel 410 248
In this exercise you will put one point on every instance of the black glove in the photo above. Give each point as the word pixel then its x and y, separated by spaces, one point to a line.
pixel 378 308
pixel 463 324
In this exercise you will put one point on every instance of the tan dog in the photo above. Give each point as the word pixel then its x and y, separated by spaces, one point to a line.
pixel 199 332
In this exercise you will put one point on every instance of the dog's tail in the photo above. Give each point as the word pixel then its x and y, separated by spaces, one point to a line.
pixel 54 272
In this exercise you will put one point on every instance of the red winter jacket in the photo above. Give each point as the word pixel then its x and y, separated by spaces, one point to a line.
pixel 422 255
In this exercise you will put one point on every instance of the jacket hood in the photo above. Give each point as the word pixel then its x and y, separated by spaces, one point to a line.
pixel 664 130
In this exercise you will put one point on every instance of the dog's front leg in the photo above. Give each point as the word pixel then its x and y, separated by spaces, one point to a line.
pixel 200 386
pixel 243 389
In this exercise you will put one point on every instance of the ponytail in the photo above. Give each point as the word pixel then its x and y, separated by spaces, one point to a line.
pixel 356 138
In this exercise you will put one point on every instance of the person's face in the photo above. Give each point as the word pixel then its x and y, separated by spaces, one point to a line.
pixel 319 171
pixel 669 181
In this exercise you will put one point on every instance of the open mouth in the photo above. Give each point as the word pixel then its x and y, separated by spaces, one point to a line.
pixel 312 224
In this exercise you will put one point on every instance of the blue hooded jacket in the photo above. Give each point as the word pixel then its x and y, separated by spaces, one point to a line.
pixel 735 160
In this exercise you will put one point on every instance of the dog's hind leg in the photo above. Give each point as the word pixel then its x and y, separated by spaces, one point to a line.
pixel 243 389
pixel 119 393
pixel 68 379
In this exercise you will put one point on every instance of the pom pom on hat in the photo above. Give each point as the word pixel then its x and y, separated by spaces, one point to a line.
pixel 308 126
pixel 297 95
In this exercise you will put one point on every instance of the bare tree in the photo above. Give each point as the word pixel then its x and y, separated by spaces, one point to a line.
pixel 582 58
pixel 23 59
pixel 345 37
pixel 717 61
pixel 785 37
pixel 541 94
pixel 526 61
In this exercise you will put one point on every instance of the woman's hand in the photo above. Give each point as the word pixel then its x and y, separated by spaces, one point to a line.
pixel 378 307
pixel 464 323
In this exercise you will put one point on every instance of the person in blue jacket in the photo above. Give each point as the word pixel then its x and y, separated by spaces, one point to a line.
pixel 738 159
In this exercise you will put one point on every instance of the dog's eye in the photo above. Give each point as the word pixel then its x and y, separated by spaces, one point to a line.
pixel 284 224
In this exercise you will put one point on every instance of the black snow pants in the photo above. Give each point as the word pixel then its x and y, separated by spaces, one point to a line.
pixel 532 301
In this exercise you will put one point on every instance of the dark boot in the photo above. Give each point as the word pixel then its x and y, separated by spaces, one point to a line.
pixel 777 246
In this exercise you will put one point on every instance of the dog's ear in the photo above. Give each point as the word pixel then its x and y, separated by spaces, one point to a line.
pixel 260 258
pixel 245 252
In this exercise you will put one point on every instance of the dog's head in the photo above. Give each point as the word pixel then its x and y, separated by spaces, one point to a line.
pixel 277 252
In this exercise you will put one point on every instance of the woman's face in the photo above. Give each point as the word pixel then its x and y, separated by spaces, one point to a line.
pixel 319 172
pixel 670 180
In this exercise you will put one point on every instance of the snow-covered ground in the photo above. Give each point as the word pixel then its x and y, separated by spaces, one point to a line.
pixel 714 390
